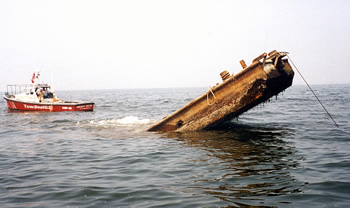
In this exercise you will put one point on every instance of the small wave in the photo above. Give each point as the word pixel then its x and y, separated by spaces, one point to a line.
pixel 132 120
pixel 126 121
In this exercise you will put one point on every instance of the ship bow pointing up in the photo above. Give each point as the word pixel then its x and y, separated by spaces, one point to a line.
pixel 268 75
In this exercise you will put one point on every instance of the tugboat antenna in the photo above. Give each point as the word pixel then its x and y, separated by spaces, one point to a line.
pixel 312 91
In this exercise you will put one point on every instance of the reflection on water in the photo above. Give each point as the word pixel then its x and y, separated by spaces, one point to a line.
pixel 246 165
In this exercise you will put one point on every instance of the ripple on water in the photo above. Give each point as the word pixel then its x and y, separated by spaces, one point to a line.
pixel 284 154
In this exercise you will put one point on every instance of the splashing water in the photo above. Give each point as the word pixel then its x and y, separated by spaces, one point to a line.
pixel 126 121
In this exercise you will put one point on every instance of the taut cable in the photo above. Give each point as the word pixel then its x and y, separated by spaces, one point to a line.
pixel 312 91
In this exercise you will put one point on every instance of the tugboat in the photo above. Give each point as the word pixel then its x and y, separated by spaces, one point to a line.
pixel 268 75
pixel 40 97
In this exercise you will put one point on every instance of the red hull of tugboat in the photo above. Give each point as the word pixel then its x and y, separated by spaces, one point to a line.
pixel 50 107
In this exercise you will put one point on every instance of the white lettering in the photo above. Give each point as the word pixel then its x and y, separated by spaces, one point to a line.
pixel 84 106
pixel 37 107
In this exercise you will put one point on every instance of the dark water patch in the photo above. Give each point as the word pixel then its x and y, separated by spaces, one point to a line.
pixel 247 158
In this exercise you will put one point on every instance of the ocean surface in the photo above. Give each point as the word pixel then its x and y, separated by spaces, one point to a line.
pixel 284 153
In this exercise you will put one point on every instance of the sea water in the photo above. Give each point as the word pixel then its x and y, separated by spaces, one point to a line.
pixel 283 153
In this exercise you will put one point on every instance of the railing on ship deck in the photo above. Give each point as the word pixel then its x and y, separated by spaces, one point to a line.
pixel 14 89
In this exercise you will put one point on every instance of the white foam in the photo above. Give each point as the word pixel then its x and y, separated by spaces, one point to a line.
pixel 132 120
pixel 126 121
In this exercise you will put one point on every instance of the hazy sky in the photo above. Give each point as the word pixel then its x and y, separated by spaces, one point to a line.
pixel 81 44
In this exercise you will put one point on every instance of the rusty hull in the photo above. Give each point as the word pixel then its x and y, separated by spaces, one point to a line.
pixel 267 76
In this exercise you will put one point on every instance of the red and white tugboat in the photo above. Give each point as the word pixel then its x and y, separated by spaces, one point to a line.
pixel 40 97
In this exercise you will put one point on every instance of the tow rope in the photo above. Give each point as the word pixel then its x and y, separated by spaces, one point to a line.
pixel 312 91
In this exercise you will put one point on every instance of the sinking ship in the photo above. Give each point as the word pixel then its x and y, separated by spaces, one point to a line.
pixel 267 76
